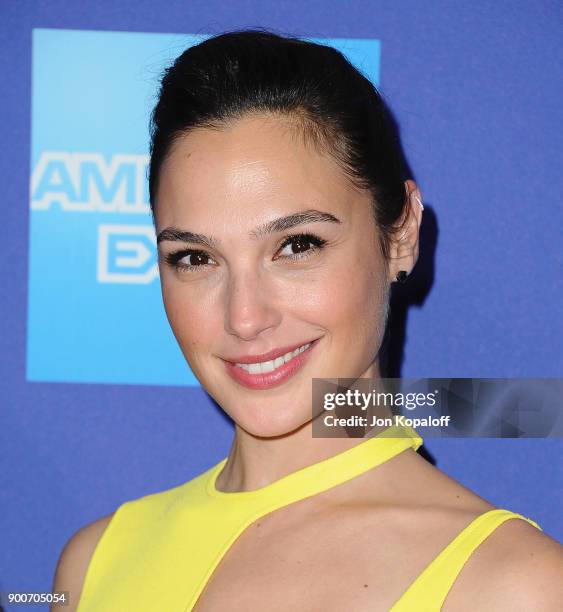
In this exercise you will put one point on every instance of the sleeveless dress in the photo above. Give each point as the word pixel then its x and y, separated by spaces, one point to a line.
pixel 159 551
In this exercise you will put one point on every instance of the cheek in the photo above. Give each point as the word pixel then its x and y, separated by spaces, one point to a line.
pixel 190 318
pixel 350 294
pixel 359 319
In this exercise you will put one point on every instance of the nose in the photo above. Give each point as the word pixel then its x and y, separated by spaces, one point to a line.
pixel 250 305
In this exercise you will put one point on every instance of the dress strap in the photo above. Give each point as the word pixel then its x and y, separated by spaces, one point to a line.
pixel 160 551
pixel 430 589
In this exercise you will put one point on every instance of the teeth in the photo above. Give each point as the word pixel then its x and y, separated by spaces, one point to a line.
pixel 269 366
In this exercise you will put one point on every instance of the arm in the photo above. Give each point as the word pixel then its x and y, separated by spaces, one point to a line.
pixel 516 568
pixel 74 559
pixel 532 578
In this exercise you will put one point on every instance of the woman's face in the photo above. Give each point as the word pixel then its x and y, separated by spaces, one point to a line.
pixel 252 285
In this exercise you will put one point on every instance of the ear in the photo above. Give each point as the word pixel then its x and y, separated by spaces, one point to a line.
pixel 403 243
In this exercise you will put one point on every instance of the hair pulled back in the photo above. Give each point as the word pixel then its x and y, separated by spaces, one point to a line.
pixel 333 105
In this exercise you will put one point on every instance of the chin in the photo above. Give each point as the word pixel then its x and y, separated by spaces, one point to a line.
pixel 272 421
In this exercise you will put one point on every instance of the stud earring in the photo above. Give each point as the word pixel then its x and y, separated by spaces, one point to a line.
pixel 401 276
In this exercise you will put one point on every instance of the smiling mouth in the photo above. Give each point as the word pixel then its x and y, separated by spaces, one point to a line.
pixel 272 372
pixel 264 367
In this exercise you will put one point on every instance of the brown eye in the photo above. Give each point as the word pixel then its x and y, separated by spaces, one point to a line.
pixel 301 245
pixel 188 260
pixel 197 258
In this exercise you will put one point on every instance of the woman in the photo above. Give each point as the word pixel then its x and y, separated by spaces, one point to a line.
pixel 283 215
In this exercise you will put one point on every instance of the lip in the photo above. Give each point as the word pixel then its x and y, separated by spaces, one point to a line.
pixel 267 356
pixel 277 376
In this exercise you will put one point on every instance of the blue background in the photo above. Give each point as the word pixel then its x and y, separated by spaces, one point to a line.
pixel 102 106
pixel 476 91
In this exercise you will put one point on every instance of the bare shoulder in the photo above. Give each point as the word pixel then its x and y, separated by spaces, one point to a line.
pixel 517 567
pixel 75 558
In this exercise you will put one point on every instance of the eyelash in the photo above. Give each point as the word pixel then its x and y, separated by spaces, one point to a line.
pixel 173 259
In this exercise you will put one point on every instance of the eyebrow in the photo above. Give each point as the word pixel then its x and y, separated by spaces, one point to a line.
pixel 271 227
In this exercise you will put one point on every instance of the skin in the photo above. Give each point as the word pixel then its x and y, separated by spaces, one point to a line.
pixel 251 297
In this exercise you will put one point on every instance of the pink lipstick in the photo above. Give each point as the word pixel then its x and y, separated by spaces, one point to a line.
pixel 269 369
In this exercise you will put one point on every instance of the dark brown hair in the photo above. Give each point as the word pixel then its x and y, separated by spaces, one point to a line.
pixel 333 104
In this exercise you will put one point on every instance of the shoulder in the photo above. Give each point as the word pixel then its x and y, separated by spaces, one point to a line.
pixel 528 571
pixel 131 520
pixel 516 567
pixel 75 558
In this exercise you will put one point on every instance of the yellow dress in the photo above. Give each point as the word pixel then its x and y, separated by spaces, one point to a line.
pixel 159 551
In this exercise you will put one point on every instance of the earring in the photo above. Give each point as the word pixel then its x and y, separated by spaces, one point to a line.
pixel 401 276
pixel 419 202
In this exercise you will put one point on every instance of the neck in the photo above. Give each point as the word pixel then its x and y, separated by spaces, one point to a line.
pixel 255 462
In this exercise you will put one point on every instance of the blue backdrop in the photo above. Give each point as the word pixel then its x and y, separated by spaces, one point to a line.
pixel 97 404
